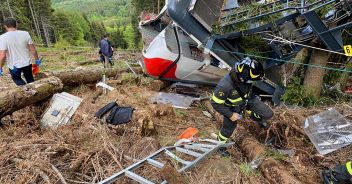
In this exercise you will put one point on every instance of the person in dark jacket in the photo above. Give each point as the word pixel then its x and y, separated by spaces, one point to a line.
pixel 341 174
pixel 106 50
pixel 233 96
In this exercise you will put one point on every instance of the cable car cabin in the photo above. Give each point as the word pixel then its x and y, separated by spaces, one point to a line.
pixel 180 43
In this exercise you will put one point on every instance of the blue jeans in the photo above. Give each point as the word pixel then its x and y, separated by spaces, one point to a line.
pixel 17 75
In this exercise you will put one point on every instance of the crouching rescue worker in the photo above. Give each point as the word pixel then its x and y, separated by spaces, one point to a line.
pixel 233 96
pixel 341 174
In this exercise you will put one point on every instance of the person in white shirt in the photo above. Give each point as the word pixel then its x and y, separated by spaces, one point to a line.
pixel 15 48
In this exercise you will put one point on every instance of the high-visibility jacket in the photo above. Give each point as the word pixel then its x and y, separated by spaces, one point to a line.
pixel 349 169
pixel 226 98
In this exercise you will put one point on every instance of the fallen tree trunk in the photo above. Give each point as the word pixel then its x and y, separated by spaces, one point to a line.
pixel 158 85
pixel 17 98
pixel 86 76
pixel 271 169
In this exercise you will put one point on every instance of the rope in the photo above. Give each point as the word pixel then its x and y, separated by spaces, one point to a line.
pixel 279 60
pixel 283 40
pixel 285 61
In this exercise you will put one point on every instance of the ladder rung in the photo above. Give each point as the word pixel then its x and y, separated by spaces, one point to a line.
pixel 205 145
pixel 212 141
pixel 195 147
pixel 188 152
pixel 178 159
pixel 155 163
pixel 137 178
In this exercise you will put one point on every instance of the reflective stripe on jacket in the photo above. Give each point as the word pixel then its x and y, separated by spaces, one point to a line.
pixel 226 96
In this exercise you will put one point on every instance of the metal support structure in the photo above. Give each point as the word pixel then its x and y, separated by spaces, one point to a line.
pixel 243 16
pixel 322 31
pixel 199 151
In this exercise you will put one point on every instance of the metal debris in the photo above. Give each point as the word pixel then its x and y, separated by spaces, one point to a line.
pixel 328 131
pixel 61 109
pixel 198 150
pixel 176 100
pixel 105 86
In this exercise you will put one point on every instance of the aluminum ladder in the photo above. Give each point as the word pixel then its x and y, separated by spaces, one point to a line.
pixel 198 150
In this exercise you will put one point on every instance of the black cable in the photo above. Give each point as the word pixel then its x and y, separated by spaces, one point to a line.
pixel 177 59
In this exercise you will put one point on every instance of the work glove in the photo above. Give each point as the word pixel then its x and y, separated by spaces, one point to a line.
pixel 1 72
pixel 14 70
pixel 235 117
pixel 38 62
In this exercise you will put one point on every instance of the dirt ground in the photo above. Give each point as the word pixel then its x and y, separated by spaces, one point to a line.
pixel 89 150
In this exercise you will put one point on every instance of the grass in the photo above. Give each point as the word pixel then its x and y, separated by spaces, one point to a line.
pixel 127 77
pixel 247 170
pixel 202 107
pixel 275 155
pixel 179 112
pixel 66 58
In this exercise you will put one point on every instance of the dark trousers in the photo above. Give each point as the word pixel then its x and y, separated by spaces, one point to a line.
pixel 17 75
pixel 260 112
pixel 343 173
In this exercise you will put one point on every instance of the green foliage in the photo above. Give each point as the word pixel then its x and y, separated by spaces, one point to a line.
pixel 118 40
pixel 247 170
pixel 275 155
pixel 129 37
pixel 255 45
pixel 93 18
pixel 296 95
pixel 323 11
pixel 65 28
pixel 179 112
pixel 332 77
pixel 98 10
pixel 97 31
pixel 127 77
pixel 21 11
pixel 331 94
pixel 99 17
pixel 62 44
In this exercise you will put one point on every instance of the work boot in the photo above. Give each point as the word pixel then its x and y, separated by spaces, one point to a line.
pixel 223 152
pixel 331 176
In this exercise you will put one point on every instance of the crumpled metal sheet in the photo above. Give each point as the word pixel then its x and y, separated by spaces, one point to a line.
pixel 176 100
pixel 328 131
pixel 61 109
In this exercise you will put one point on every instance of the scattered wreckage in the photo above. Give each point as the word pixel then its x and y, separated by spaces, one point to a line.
pixel 181 47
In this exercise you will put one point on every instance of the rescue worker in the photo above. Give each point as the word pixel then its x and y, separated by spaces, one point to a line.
pixel 233 96
pixel 341 174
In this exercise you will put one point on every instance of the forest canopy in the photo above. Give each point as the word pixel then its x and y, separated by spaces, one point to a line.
pixel 80 22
